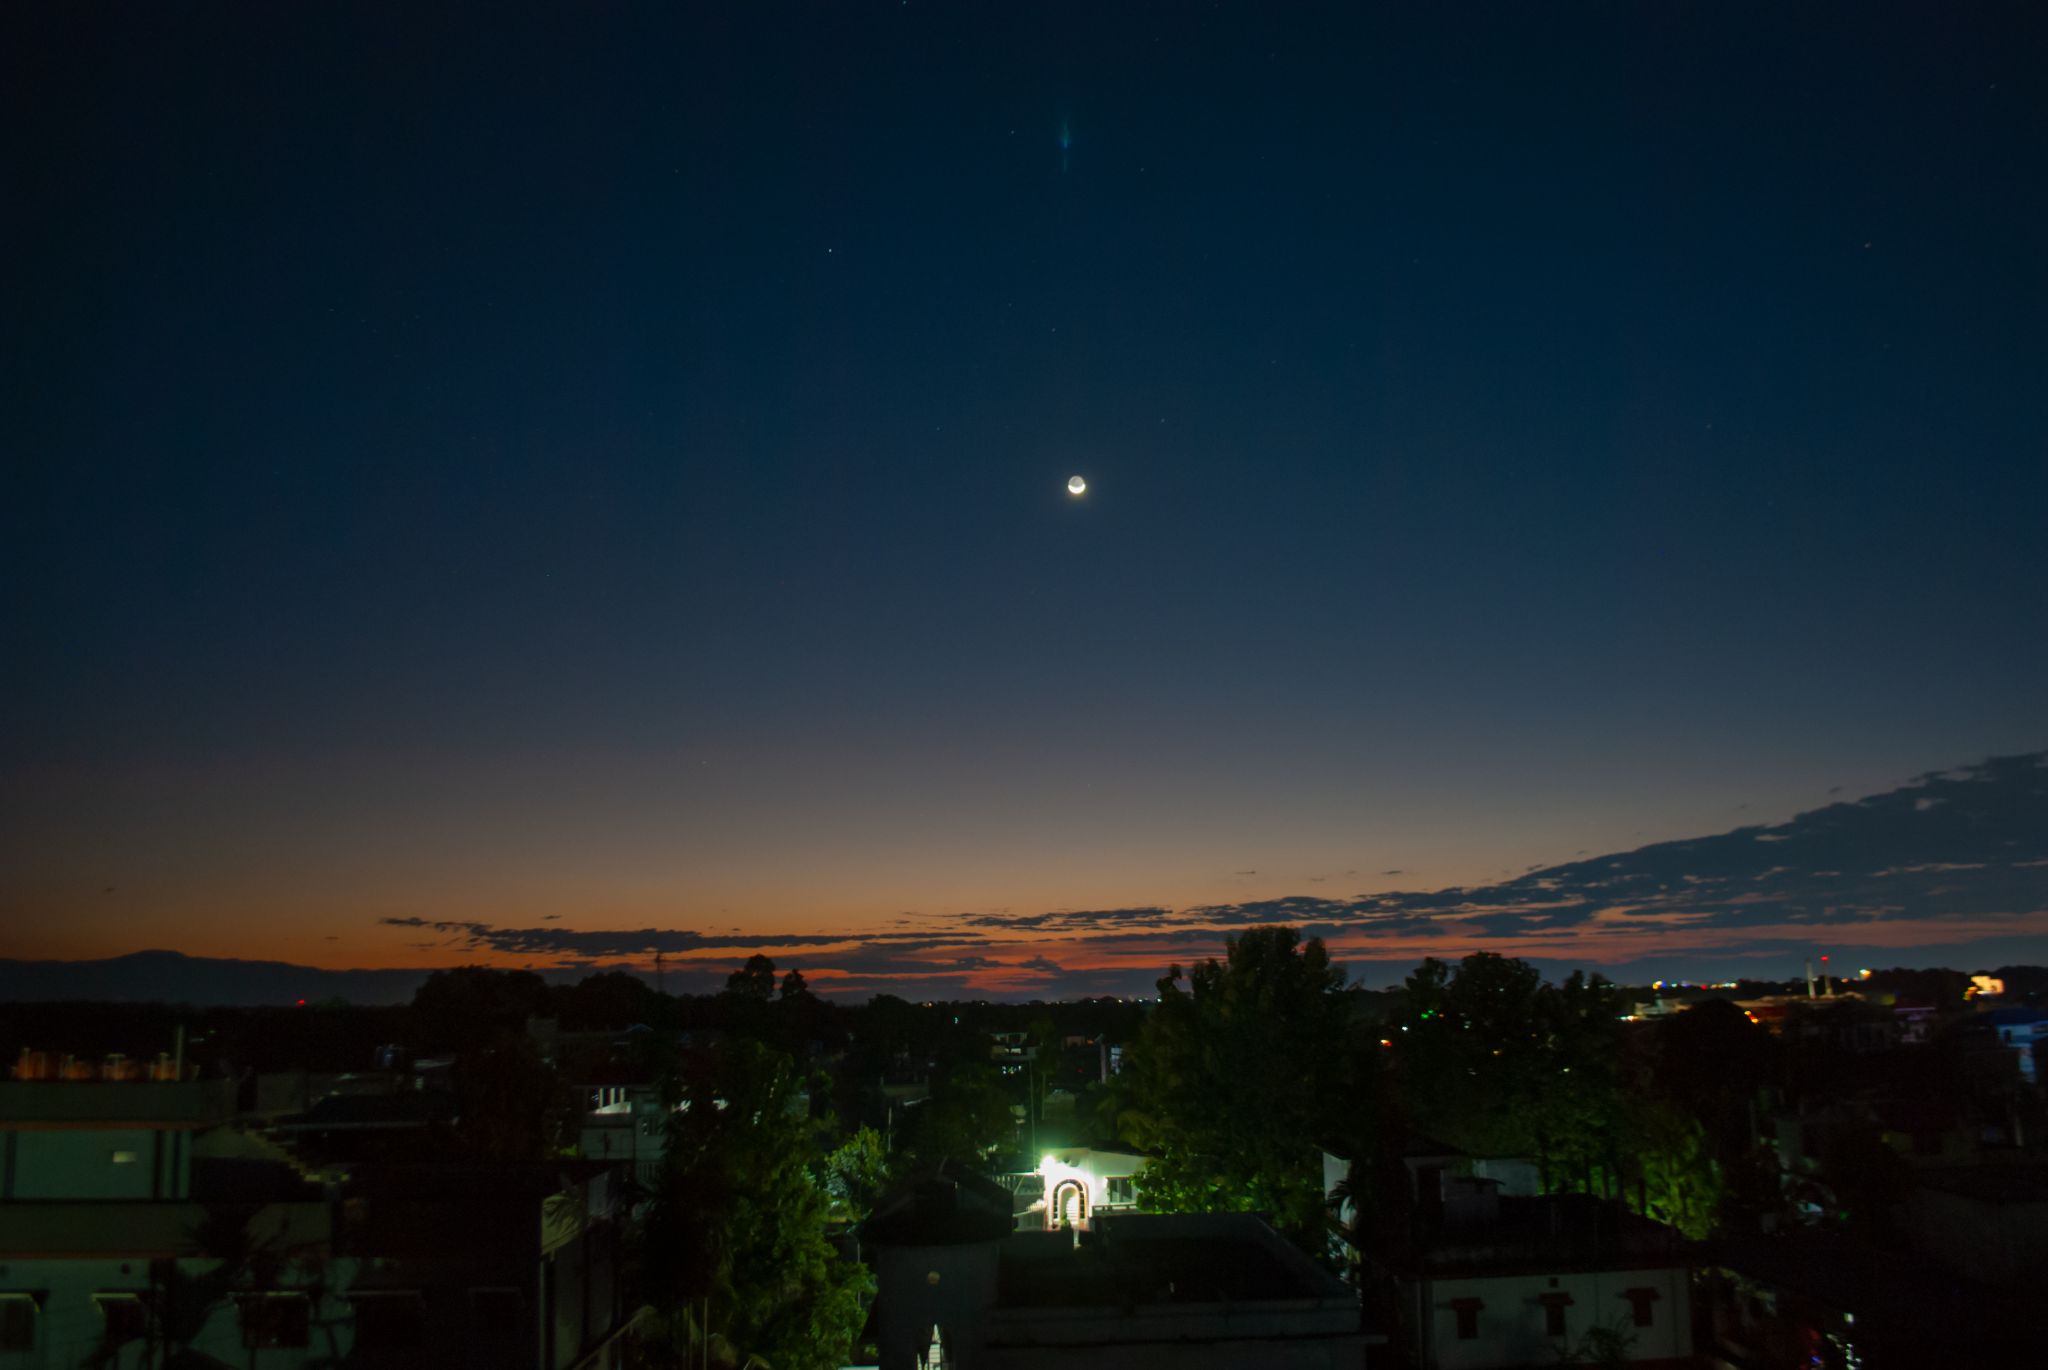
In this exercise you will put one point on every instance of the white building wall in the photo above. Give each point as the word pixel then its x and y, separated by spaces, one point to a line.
pixel 71 1328
pixel 1512 1319
pixel 639 1143
pixel 1093 1171
pixel 100 1163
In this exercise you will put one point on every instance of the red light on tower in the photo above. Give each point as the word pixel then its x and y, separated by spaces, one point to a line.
pixel 302 1002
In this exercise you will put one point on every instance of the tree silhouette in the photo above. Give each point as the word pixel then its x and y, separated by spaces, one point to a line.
pixel 1236 1079
pixel 754 981
pixel 737 1226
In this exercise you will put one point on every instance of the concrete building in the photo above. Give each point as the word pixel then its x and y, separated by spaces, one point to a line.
pixel 1480 1271
pixel 1073 1184
pixel 115 1240
pixel 2019 1029
pixel 481 1265
pixel 1522 1281
pixel 627 1126
pixel 143 1222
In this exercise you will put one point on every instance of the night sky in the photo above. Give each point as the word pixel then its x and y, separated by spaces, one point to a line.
pixel 542 490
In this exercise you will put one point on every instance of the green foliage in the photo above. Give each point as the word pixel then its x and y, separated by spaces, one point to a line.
pixel 1608 1348
pixel 855 1173
pixel 1709 1065
pixel 739 1218
pixel 1679 1181
pixel 1495 1062
pixel 1235 1080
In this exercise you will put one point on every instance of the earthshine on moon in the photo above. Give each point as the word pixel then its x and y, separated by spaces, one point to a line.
pixel 1077 486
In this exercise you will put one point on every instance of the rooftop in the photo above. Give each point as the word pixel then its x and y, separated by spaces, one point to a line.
pixel 1183 1279
pixel 1150 1262
pixel 951 1207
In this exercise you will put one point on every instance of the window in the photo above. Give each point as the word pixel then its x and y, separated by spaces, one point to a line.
pixel 1553 1314
pixel 389 1320
pixel 1467 1311
pixel 17 1322
pixel 124 1317
pixel 1642 1305
pixel 1122 1190
pixel 274 1319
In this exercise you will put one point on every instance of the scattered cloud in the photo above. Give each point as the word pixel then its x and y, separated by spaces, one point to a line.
pixel 1949 856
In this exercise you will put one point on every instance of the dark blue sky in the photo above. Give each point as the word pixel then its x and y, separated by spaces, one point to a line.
pixel 609 463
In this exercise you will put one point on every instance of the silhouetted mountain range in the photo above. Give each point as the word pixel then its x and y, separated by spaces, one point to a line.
pixel 174 977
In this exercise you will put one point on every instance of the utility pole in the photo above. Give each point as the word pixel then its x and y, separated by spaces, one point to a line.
pixel 1031 1107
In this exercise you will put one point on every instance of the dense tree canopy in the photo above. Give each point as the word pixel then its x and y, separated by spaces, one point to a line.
pixel 1494 1061
pixel 855 1173
pixel 755 980
pixel 1237 1079
pixel 967 1118
pixel 609 1001
pixel 738 1223
pixel 471 1005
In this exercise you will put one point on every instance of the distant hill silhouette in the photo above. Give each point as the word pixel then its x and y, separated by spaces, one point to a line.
pixel 173 977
